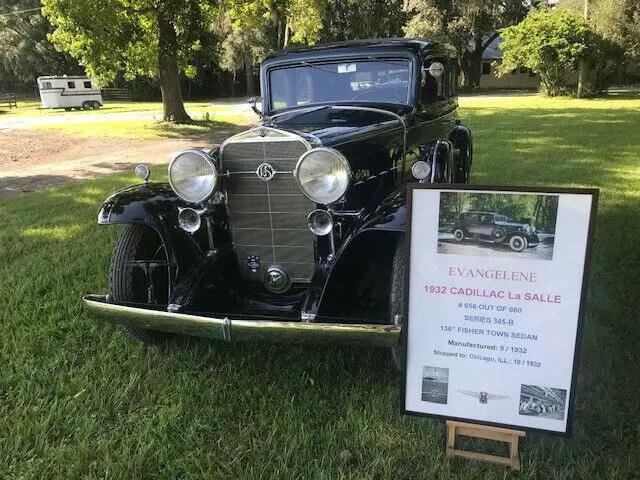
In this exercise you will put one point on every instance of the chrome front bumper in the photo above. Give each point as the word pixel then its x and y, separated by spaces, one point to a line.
pixel 242 330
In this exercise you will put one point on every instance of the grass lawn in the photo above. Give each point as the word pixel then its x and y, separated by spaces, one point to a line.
pixel 32 109
pixel 78 399
pixel 145 129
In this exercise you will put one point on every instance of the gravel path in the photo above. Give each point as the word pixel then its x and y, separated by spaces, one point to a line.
pixel 32 160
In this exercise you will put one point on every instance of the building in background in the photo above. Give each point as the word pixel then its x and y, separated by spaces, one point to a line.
pixel 518 78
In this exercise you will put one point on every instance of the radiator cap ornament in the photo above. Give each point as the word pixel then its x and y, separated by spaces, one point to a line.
pixel 265 172
pixel 276 280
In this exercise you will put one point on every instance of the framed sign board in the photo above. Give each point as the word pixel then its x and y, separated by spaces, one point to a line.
pixel 495 298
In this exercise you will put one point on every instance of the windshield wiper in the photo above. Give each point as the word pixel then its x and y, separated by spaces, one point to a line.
pixel 300 111
pixel 400 63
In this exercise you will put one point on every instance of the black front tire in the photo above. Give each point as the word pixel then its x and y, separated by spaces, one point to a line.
pixel 518 243
pixel 464 154
pixel 397 314
pixel 458 235
pixel 498 234
pixel 128 284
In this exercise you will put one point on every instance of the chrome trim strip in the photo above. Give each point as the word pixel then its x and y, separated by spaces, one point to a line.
pixel 243 330
pixel 276 172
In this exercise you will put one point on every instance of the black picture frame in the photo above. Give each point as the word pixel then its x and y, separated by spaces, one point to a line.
pixel 594 192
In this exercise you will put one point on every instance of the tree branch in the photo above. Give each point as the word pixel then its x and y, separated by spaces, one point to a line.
pixel 495 35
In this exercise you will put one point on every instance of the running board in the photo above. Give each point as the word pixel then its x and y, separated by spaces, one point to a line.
pixel 242 330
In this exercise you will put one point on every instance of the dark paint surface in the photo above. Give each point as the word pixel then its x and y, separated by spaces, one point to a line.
pixel 381 143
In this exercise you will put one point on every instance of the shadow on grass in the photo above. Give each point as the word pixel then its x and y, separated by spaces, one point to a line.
pixel 196 130
pixel 15 185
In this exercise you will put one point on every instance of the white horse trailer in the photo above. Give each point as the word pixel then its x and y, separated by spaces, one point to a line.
pixel 69 92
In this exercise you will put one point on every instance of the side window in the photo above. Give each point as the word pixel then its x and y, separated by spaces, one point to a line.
pixel 433 88
pixel 486 219
pixel 71 84
pixel 87 84
pixel 46 85
pixel 486 68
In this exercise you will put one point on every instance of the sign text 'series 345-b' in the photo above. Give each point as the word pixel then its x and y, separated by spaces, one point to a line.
pixel 294 230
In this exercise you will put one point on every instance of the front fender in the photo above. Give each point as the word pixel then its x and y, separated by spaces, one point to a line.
pixel 388 218
pixel 389 215
pixel 151 204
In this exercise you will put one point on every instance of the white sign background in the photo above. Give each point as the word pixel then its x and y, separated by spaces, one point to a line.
pixel 501 368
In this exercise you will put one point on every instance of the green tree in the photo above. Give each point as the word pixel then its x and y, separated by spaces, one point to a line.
pixel 25 51
pixel 615 26
pixel 356 19
pixel 615 20
pixel 150 38
pixel 255 28
pixel 469 25
pixel 551 43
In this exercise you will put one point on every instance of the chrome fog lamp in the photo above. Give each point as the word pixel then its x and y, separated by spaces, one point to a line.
pixel 143 172
pixel 192 175
pixel 420 170
pixel 323 175
pixel 320 222
pixel 189 220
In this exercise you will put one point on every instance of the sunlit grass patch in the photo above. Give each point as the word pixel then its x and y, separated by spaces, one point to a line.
pixel 28 109
pixel 58 233
pixel 146 129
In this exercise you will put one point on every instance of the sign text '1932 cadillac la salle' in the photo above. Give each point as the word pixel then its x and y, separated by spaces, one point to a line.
pixel 294 230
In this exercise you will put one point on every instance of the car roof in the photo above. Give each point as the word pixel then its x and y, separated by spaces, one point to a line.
pixel 64 77
pixel 484 213
pixel 366 46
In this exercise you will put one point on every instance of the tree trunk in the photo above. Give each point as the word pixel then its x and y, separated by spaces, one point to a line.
pixel 287 32
pixel 172 103
pixel 471 66
pixel 248 72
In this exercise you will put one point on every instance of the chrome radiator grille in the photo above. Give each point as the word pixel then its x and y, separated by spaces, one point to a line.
pixel 268 218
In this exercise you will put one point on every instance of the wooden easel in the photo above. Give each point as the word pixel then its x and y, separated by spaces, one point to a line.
pixel 492 433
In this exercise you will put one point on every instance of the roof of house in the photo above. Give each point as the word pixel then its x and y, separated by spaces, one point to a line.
pixel 493 51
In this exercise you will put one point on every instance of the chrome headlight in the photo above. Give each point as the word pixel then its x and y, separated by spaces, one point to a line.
pixel 323 174
pixel 192 175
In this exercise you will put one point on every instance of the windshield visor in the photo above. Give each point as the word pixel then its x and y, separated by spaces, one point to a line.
pixel 364 81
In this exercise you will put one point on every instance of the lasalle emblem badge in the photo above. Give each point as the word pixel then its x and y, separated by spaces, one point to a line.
pixel 483 396
pixel 253 262
pixel 265 172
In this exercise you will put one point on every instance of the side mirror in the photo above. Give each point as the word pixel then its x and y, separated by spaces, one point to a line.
pixel 253 101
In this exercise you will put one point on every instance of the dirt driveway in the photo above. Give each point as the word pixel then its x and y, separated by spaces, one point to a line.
pixel 32 159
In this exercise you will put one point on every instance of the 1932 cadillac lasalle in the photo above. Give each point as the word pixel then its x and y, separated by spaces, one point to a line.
pixel 496 228
pixel 294 230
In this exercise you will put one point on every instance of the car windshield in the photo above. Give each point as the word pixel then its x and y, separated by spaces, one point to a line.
pixel 372 80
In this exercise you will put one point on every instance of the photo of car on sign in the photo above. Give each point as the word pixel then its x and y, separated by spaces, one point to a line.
pixel 497 224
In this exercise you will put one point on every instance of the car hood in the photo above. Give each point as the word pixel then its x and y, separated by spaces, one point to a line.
pixel 331 125
pixel 512 224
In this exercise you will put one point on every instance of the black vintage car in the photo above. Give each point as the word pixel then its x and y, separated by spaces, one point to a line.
pixel 294 230
pixel 496 228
